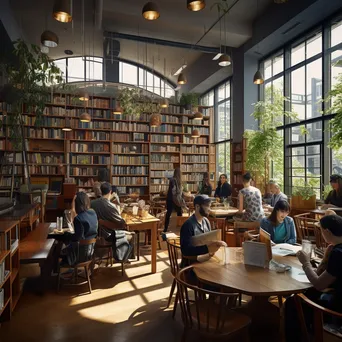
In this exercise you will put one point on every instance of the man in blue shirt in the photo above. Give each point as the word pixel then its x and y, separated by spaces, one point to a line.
pixel 198 224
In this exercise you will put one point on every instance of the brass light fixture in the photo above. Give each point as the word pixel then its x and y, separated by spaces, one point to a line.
pixel 150 11
pixel 155 120
pixel 85 117
pixel 62 11
pixel 195 5
pixel 164 103
pixel 225 60
pixel 181 79
pixel 117 110
pixel 258 78
pixel 49 39
pixel 67 125
pixel 195 133
pixel 84 96
pixel 198 116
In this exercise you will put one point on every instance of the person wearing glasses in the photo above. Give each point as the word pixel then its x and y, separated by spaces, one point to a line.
pixel 223 189
pixel 334 198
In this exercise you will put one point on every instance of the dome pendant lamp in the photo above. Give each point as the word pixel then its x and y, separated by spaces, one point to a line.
pixel 117 110
pixel 85 117
pixel 225 60
pixel 194 5
pixel 164 103
pixel 84 96
pixel 150 11
pixel 195 134
pixel 49 39
pixel 198 116
pixel 67 126
pixel 258 78
pixel 62 11
pixel 155 120
pixel 181 79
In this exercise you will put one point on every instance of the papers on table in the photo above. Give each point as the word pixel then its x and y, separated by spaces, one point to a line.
pixel 299 275
pixel 285 249
pixel 255 254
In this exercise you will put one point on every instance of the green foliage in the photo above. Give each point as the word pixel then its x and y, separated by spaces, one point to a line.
pixel 129 101
pixel 304 190
pixel 189 99
pixel 326 191
pixel 335 98
pixel 266 145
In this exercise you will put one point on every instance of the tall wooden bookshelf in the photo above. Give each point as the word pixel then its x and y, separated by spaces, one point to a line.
pixel 139 158
pixel 238 155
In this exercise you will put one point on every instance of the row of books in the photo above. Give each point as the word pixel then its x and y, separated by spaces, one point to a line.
pixel 130 159
pixel 92 125
pixel 39 158
pixel 131 127
pixel 5 107
pixel 188 121
pixel 168 129
pixel 90 135
pixel 44 169
pixel 237 179
pixel 158 174
pixel 130 170
pixel 158 188
pixel 129 180
pixel 89 147
pixel 45 133
pixel 2 298
pixel 7 170
pixel 159 181
pixel 165 138
pixel 6 181
pixel 3 273
pixel 127 137
pixel 201 140
pixel 164 158
pixel 195 177
pixel 70 100
pixel 85 182
pixel 118 148
pixel 202 130
pixel 45 121
pixel 195 159
pixel 164 148
pixel 82 171
pixel 172 109
pixel 171 119
pixel 162 166
pixel 2 144
pixel 192 187
pixel 76 112
pixel 141 117
pixel 195 149
pixel 89 159
pixel 237 166
pixel 133 190
pixel 194 168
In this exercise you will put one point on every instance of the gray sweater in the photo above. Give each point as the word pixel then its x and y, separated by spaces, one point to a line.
pixel 105 210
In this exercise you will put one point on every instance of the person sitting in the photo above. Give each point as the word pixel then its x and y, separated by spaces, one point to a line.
pixel 205 187
pixel 197 224
pixel 102 176
pixel 331 277
pixel 277 195
pixel 250 199
pixel 334 198
pixel 85 228
pixel 223 189
pixel 279 225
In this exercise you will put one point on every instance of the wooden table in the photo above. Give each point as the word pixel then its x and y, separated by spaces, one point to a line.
pixel 138 224
pixel 254 281
pixel 219 216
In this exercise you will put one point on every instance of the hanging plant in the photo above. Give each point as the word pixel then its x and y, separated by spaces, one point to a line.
pixel 129 101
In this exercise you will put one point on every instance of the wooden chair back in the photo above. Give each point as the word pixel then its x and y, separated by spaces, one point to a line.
pixel 173 247
pixel 305 227
pixel 255 225
pixel 318 324
pixel 321 244
pixel 209 312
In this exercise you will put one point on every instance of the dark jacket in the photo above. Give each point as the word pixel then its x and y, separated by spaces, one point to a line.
pixel 223 191
pixel 268 226
pixel 334 199
pixel 205 189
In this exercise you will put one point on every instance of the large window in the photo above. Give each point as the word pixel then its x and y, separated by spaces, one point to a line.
pixel 303 72
pixel 82 69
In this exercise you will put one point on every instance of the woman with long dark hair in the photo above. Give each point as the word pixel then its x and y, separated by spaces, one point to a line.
pixel 205 187
pixel 174 199
pixel 279 225
pixel 223 189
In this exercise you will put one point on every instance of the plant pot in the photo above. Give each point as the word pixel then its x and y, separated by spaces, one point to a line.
pixel 297 202
pixel 187 107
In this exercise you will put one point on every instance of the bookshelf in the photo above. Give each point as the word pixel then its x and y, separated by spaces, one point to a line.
pixel 238 165
pixel 138 157
pixel 10 286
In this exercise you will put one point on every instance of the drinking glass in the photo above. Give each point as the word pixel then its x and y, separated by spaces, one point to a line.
pixel 307 247
pixel 135 211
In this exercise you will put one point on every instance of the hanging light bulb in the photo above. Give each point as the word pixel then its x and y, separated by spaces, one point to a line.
pixel 49 39
pixel 164 103
pixel 258 78
pixel 62 11
pixel 195 134
pixel 155 120
pixel 181 79
pixel 84 96
pixel 150 11
pixel 85 117
pixel 67 126
pixel 117 110
pixel 225 60
pixel 198 116
pixel 194 5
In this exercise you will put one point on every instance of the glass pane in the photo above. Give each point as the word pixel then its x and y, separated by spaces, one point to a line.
pixel 61 64
pixel 129 74
pixel 227 89
pixel 268 69
pixel 315 149
pixel 149 78
pixel 298 151
pixel 314 89
pixel 75 69
pixel 337 161
pixel 221 122
pixel 336 34
pixel 169 92
pixel 211 98
pixel 228 160
pixel 314 131
pixel 221 158
pixel 298 92
pixel 313 166
pixel 297 54
pixel 228 119
pixel 314 45
pixel 221 92
pixel 336 66
pixel 142 78
pixel 156 85
pixel 278 64
pixel 162 88
pixel 296 136
pixel 278 97
pixel 94 69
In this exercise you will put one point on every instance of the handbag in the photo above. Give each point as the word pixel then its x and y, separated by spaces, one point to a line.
pixel 177 196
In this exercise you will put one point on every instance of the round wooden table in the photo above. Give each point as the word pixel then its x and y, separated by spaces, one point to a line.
pixel 259 283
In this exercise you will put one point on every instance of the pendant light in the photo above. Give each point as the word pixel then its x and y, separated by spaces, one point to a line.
pixel 150 11
pixel 62 11
pixel 84 96
pixel 224 59
pixel 85 117
pixel 195 133
pixel 258 77
pixel 49 39
pixel 198 116
pixel 155 120
pixel 181 79
pixel 195 5
pixel 117 110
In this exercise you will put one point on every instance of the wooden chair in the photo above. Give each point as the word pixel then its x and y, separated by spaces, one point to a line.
pixel 85 264
pixel 320 242
pixel 160 226
pixel 320 328
pixel 210 313
pixel 173 247
pixel 305 227
pixel 235 235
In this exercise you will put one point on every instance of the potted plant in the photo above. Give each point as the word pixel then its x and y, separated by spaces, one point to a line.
pixel 265 145
pixel 303 197
pixel 189 100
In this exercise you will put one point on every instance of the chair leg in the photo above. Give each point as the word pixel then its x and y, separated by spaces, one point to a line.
pixel 173 286
pixel 86 270
pixel 175 306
